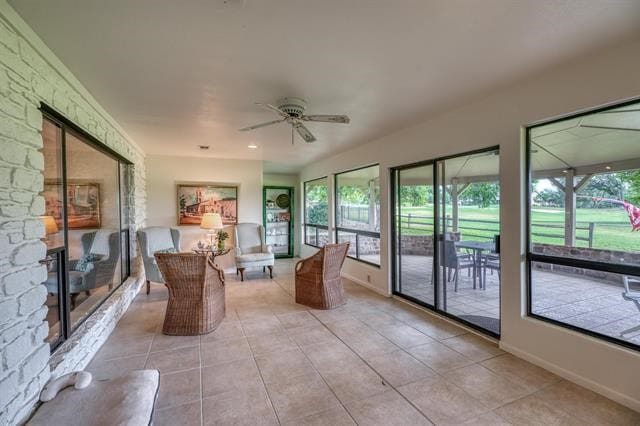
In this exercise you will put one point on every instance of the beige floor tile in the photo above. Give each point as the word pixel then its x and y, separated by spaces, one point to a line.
pixel 262 325
pixel 120 347
pixel 226 330
pixel 439 357
pixel 587 405
pixel 234 376
pixel 102 370
pixel 250 408
pixel 387 408
pixel 473 347
pixel 179 388
pixel 183 415
pixel 355 382
pixel 436 328
pixel 331 315
pixel 305 336
pixel 399 368
pixel 403 335
pixel 487 419
pixel 334 417
pixel 174 360
pixel 370 344
pixel 279 366
pixel 275 342
pixel 520 371
pixel 442 401
pixel 486 386
pixel 216 352
pixel 162 342
pixel 298 319
pixel 531 411
pixel 331 357
pixel 300 397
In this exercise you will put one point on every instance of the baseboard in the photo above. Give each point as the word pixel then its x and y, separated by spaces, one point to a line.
pixel 365 284
pixel 620 398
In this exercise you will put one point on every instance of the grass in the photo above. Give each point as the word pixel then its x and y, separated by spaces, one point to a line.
pixel 612 229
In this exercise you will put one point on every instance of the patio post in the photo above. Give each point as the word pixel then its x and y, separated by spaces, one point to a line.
pixel 454 205
pixel 372 205
pixel 569 209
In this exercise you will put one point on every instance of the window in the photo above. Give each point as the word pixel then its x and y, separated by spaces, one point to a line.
pixel 583 217
pixel 87 201
pixel 316 212
pixel 358 213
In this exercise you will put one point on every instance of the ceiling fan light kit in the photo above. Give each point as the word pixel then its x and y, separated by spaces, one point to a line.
pixel 291 111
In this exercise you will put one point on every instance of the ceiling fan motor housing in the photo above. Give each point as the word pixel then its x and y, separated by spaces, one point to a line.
pixel 293 106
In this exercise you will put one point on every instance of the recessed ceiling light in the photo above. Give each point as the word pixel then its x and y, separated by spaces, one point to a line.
pixel 252 146
pixel 205 147
pixel 607 167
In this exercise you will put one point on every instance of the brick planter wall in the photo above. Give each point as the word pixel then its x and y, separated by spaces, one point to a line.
pixel 29 75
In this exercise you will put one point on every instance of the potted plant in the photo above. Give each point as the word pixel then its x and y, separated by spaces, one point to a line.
pixel 222 235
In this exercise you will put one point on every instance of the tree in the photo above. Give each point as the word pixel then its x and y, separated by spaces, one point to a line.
pixel 415 195
pixel 608 185
pixel 482 194
pixel 549 198
pixel 317 208
pixel 632 183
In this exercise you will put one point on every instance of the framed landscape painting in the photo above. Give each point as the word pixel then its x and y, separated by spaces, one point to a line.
pixel 196 200
pixel 83 203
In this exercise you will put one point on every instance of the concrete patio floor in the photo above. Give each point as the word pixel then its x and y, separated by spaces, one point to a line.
pixel 374 361
pixel 587 303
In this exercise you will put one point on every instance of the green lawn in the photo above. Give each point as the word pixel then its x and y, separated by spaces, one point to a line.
pixel 612 229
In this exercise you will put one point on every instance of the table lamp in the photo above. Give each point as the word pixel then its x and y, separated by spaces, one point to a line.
pixel 211 222
pixel 50 226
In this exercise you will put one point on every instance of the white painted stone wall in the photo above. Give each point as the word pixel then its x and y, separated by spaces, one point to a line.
pixel 31 74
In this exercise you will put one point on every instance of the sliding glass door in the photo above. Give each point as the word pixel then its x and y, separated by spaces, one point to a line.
pixel 450 264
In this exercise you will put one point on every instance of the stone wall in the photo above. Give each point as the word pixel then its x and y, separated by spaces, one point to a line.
pixel 29 75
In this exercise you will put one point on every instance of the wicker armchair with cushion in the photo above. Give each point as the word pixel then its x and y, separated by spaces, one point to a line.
pixel 251 249
pixel 318 281
pixel 95 268
pixel 196 293
pixel 156 239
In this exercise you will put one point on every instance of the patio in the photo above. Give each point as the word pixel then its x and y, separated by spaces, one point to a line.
pixel 587 303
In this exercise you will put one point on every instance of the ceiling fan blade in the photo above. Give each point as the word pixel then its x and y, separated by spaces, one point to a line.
pixel 304 133
pixel 274 109
pixel 327 118
pixel 257 126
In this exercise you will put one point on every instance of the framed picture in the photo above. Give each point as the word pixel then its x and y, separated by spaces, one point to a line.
pixel 196 200
pixel 83 203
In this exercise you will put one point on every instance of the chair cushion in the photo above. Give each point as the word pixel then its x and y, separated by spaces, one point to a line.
pixel 85 263
pixel 255 258
pixel 127 400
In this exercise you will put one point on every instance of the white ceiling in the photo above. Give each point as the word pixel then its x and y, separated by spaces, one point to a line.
pixel 177 74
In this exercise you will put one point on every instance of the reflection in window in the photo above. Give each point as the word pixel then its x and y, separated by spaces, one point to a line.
pixel 584 214
pixel 358 212
pixel 316 212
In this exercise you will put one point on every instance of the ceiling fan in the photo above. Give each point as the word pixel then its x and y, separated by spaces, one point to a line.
pixel 291 111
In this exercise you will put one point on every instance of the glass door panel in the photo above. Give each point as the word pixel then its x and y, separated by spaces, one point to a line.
pixel 278 219
pixel 468 239
pixel 414 233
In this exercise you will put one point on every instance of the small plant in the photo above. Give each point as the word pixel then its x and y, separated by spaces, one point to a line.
pixel 222 235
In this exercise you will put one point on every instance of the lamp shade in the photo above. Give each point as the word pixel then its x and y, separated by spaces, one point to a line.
pixel 50 226
pixel 211 221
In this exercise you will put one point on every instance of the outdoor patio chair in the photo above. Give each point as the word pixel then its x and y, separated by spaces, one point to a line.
pixel 453 260
pixel 196 293
pixel 631 296
pixel 318 281
pixel 489 261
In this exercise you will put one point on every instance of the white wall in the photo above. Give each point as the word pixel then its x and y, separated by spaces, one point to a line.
pixel 293 181
pixel 586 82
pixel 164 173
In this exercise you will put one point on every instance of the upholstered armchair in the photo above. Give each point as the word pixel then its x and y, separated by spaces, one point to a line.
pixel 251 250
pixel 318 281
pixel 156 239
pixel 196 302
pixel 103 248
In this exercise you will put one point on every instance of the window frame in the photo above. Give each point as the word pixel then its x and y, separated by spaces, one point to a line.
pixel 531 257
pixel 304 212
pixel 67 329
pixel 358 232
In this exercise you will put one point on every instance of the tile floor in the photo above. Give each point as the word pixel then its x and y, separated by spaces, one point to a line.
pixel 375 361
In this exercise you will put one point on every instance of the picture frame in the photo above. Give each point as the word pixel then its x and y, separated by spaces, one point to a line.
pixel 83 203
pixel 194 200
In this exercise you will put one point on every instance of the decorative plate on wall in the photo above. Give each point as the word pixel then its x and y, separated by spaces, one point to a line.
pixel 282 201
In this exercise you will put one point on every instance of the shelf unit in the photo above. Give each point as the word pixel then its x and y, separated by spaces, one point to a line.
pixel 278 220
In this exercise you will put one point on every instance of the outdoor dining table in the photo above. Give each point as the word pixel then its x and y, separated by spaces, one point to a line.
pixel 477 247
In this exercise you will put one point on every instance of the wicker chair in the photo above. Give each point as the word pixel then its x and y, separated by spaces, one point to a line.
pixel 318 283
pixel 196 293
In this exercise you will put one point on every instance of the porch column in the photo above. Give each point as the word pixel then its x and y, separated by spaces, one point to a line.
pixel 372 205
pixel 454 206
pixel 569 210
